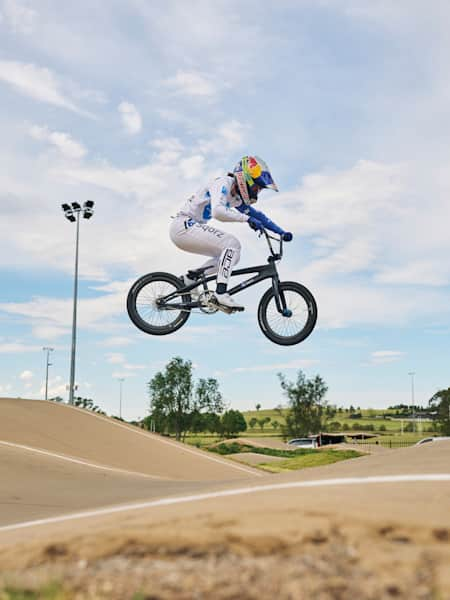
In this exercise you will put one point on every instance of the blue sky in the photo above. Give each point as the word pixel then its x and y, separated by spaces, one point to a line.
pixel 136 104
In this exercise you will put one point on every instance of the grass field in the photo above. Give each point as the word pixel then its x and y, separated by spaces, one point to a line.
pixel 383 421
pixel 317 458
pixel 301 458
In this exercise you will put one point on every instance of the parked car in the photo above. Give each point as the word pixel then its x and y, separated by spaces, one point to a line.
pixel 303 442
pixel 433 439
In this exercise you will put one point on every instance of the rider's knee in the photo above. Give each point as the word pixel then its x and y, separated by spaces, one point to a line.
pixel 232 242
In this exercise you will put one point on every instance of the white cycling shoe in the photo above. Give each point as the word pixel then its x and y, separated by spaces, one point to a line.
pixel 227 300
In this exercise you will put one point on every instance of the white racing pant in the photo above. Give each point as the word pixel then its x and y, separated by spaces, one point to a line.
pixel 201 238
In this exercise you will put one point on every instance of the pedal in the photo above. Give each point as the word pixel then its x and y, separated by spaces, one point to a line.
pixel 226 309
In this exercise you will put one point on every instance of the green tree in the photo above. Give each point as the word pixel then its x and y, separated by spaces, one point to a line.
pixel 258 407
pixel 171 397
pixel 208 396
pixel 308 411
pixel 233 422
pixel 440 403
pixel 56 399
pixel 253 422
pixel 263 421
pixel 177 406
pixel 87 404
pixel 212 423
pixel 275 425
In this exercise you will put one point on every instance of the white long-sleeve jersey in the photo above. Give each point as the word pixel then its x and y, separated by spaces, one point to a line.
pixel 214 201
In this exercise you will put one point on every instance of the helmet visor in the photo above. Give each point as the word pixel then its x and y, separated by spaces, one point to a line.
pixel 265 179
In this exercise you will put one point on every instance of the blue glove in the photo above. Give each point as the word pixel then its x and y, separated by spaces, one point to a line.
pixel 287 236
pixel 255 224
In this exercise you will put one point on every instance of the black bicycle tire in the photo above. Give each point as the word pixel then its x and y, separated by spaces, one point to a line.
pixel 136 318
pixel 310 323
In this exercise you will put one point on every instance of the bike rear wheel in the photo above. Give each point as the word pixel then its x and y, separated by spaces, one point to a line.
pixel 292 329
pixel 144 311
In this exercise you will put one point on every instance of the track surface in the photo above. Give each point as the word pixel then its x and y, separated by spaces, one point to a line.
pixel 174 502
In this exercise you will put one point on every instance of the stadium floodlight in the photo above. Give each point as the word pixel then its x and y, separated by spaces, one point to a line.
pixel 68 212
pixel 88 209
pixel 72 213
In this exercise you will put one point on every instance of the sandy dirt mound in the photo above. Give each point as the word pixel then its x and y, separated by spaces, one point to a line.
pixel 388 539
pixel 36 486
pixel 79 433
pixel 333 532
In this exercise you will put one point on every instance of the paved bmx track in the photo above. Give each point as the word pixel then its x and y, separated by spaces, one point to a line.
pixel 89 501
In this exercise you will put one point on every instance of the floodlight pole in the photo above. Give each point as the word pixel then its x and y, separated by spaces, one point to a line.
pixel 411 374
pixel 74 317
pixel 121 380
pixel 72 213
pixel 47 364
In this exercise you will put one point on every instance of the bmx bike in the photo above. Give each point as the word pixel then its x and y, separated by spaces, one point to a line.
pixel 160 303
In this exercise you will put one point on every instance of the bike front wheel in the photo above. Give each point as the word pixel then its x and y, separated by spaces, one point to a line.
pixel 143 308
pixel 300 318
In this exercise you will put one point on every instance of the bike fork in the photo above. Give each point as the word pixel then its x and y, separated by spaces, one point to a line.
pixel 280 300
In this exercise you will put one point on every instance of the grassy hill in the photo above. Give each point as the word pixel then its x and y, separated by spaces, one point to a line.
pixel 385 422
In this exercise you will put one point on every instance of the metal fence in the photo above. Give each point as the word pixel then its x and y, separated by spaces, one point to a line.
pixel 385 443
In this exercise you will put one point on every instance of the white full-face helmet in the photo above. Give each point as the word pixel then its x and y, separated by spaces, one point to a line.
pixel 252 175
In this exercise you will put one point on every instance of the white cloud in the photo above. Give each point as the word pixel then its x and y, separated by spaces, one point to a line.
pixel 419 272
pixel 19 17
pixel 192 167
pixel 292 364
pixel 62 141
pixel 116 341
pixel 371 219
pixel 131 118
pixel 18 348
pixel 115 358
pixel 385 356
pixel 54 313
pixel 36 82
pixel 122 375
pixel 26 375
pixel 49 332
pixel 170 144
pixel 192 83
pixel 232 133
pixel 230 137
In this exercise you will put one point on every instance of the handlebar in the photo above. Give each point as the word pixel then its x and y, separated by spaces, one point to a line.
pixel 279 239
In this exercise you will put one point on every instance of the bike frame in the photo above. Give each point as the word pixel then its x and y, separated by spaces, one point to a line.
pixel 267 271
